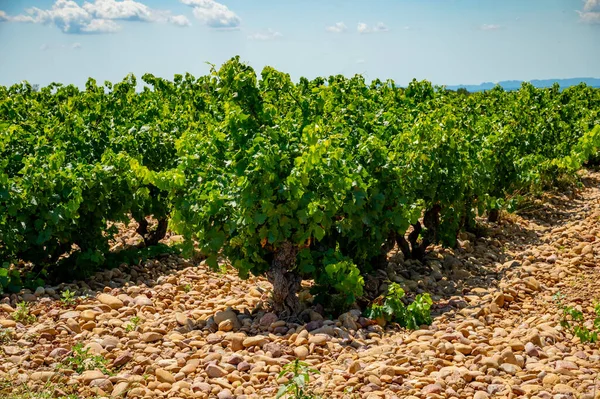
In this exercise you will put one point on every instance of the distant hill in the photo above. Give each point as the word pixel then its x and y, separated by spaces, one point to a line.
pixel 516 84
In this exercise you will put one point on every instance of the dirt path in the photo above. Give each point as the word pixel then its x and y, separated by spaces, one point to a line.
pixel 496 333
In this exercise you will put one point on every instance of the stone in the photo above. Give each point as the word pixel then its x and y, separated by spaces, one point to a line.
pixel 507 356
pixel 190 367
pixel 230 315
pixel 58 353
pixel 112 301
pixel 481 395
pixel 349 321
pixel 142 300
pixel 103 383
pixel 181 318
pixel 432 389
pixel 255 341
pixel 301 352
pixel 274 348
pixel 225 394
pixel 214 371
pixel 88 315
pixel 226 325
pixel 120 389
pixel 43 376
pixel 550 379
pixel 268 319
pixel 122 359
pixel 151 337
pixel 163 375
pixel 90 375
pixel 532 283
pixel 319 339
pixel 509 368
pixel 531 350
pixel 5 323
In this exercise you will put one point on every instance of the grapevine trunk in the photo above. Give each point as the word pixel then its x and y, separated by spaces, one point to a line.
pixel 286 282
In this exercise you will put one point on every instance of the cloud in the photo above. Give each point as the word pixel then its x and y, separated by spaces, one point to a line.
pixel 360 61
pixel 179 20
pixel 591 12
pixel 338 27
pixel 44 47
pixel 363 28
pixel 269 34
pixel 76 46
pixel 490 27
pixel 213 14
pixel 591 6
pixel 98 16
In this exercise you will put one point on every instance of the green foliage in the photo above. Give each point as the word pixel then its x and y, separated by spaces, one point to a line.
pixel 133 324
pixel 339 284
pixel 6 335
pixel 81 360
pixel 10 278
pixel 297 385
pixel 245 166
pixel 391 308
pixel 23 314
pixel 574 320
pixel 67 298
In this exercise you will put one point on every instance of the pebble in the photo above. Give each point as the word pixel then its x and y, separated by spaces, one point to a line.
pixel 499 338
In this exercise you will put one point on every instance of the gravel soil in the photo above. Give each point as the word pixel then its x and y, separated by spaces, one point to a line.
pixel 171 328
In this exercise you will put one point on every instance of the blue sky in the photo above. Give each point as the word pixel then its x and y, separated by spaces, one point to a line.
pixel 444 41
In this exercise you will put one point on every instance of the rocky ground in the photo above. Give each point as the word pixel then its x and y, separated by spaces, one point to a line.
pixel 170 328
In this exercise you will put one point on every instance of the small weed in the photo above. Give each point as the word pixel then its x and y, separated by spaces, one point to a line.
pixel 573 320
pixel 6 335
pixel 133 324
pixel 67 298
pixel 296 387
pixel 50 390
pixel 187 288
pixel 23 314
pixel 391 308
pixel 81 360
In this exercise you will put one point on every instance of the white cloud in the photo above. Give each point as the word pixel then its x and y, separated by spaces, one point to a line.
pixel 381 27
pixel 360 61
pixel 179 20
pixel 125 10
pixel 44 47
pixel 590 17
pixel 76 46
pixel 490 27
pixel 101 26
pixel 269 34
pixel 338 27
pixel 591 6
pixel 591 12
pixel 364 28
pixel 98 16
pixel 213 14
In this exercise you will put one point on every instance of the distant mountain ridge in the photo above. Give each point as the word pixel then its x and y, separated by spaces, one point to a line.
pixel 516 84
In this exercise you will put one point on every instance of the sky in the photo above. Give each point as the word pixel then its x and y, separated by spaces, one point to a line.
pixel 444 41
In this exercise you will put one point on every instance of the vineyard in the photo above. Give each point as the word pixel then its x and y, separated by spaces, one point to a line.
pixel 309 182
pixel 315 180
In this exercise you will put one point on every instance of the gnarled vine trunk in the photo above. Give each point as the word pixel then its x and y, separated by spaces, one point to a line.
pixel 493 215
pixel 286 282
pixel 413 249
pixel 152 237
